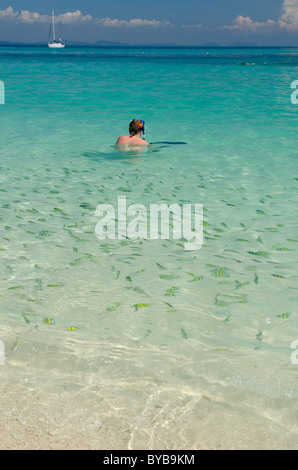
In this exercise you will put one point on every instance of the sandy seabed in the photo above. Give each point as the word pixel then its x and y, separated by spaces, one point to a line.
pixel 33 420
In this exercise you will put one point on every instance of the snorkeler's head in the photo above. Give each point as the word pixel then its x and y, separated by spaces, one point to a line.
pixel 136 126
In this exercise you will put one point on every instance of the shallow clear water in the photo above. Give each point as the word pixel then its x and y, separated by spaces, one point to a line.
pixel 100 350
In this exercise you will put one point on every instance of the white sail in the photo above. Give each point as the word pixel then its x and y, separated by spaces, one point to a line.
pixel 54 32
pixel 55 44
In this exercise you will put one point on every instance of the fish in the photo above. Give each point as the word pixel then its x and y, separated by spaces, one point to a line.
pixel 171 291
pixel 138 306
pixel 113 308
pixel 184 334
pixel 48 321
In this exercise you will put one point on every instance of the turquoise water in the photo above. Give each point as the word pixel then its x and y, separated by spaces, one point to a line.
pixel 138 344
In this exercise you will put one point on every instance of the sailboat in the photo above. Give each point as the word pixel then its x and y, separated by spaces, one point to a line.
pixel 55 44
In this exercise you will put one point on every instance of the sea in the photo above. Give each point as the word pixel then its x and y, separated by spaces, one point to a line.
pixel 135 343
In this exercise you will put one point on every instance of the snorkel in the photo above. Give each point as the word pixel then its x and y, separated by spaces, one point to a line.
pixel 143 127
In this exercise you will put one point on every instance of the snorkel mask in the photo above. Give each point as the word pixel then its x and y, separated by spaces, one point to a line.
pixel 143 127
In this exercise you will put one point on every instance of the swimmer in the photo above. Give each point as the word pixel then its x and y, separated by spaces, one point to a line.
pixel 136 129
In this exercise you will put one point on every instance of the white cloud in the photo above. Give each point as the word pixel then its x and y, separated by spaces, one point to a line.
pixel 133 23
pixel 7 14
pixel 289 17
pixel 73 17
pixel 31 17
pixel 76 17
pixel 28 17
pixel 193 26
pixel 248 25
pixel 288 21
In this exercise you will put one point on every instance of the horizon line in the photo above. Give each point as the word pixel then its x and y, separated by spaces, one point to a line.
pixel 120 44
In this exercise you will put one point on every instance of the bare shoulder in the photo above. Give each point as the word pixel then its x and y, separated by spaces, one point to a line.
pixel 123 139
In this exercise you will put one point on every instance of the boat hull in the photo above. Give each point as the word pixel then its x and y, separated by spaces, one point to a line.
pixel 56 45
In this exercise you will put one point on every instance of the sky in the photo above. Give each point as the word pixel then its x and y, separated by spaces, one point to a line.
pixel 185 22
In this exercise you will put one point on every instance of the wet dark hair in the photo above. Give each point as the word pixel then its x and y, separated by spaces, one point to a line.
pixel 135 127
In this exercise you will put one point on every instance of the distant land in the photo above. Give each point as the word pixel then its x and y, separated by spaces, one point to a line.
pixel 102 43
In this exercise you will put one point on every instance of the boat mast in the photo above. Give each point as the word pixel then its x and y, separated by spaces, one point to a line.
pixel 54 33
